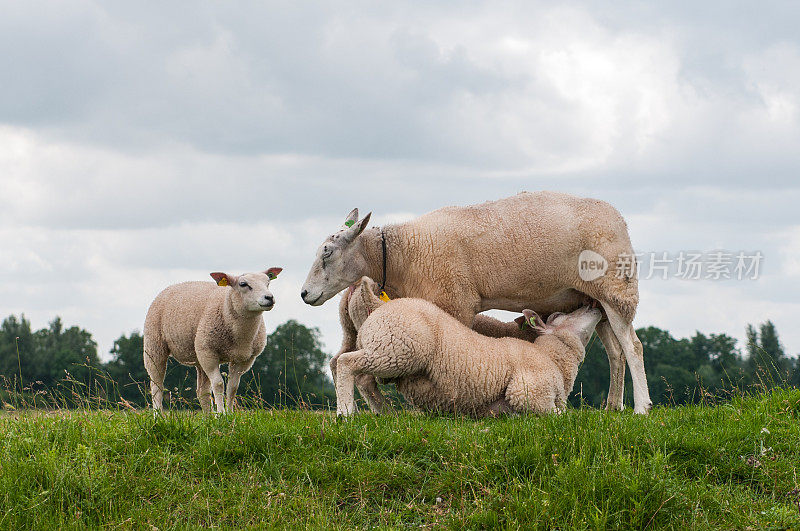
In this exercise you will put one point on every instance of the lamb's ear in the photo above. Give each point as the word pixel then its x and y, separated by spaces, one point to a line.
pixel 223 279
pixel 357 228
pixel 366 284
pixel 272 272
pixel 520 321
pixel 368 291
pixel 352 217
pixel 533 320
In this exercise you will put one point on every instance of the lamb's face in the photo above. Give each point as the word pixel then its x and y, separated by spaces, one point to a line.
pixel 251 288
pixel 581 322
pixel 338 263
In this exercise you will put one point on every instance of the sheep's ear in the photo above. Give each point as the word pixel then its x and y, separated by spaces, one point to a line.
pixel 223 279
pixel 357 228
pixel 352 217
pixel 273 272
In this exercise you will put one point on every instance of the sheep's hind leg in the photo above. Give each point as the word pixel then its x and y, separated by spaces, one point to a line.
pixel 203 390
pixel 632 348
pixel 616 364
pixel 348 366
pixel 155 362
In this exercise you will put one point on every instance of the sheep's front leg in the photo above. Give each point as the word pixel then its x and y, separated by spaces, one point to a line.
pixel 348 366
pixel 235 372
pixel 209 362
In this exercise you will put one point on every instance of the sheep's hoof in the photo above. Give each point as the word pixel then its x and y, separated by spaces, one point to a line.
pixel 644 410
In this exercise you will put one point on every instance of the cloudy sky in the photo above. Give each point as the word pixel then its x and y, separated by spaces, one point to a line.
pixel 147 143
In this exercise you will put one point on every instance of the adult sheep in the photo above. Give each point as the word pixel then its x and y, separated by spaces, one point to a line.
pixel 511 254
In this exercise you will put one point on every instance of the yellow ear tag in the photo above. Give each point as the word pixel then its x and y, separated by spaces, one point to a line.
pixel 222 282
pixel 384 297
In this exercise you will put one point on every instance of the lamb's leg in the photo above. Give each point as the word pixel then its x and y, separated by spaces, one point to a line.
pixel 369 390
pixel 348 367
pixel 155 362
pixel 527 393
pixel 209 362
pixel 235 372
pixel 616 363
pixel 634 355
pixel 332 365
pixel 203 390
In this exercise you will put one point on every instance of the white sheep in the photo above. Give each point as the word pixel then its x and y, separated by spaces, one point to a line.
pixel 204 325
pixel 511 254
pixel 361 299
pixel 438 364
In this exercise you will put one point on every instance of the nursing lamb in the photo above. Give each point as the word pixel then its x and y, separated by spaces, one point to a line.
pixel 438 364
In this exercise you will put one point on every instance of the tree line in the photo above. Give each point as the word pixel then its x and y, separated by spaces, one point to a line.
pixel 36 365
pixel 64 363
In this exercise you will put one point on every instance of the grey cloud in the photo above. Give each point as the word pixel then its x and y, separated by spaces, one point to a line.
pixel 356 80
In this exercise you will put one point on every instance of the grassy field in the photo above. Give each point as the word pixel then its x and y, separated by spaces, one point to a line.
pixel 733 466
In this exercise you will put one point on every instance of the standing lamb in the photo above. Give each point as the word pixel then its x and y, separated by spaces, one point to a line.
pixel 205 325
pixel 438 364
pixel 511 254
pixel 361 299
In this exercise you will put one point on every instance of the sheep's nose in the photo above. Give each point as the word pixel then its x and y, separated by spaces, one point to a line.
pixel 303 294
pixel 270 300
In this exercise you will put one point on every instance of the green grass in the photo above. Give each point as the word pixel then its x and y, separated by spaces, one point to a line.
pixel 733 466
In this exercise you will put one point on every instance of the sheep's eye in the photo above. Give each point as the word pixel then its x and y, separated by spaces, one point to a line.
pixel 243 284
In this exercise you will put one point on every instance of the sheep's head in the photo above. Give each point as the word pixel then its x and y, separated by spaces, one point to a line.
pixel 251 288
pixel 363 301
pixel 581 322
pixel 338 263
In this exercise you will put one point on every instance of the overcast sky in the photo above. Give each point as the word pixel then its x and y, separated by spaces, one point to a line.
pixel 143 144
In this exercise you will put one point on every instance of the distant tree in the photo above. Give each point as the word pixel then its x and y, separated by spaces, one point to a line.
pixel 16 333
pixel 795 379
pixel 767 363
pixel 59 352
pixel 291 369
pixel 126 369
pixel 717 360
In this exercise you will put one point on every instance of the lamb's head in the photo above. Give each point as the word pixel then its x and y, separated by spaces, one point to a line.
pixel 581 322
pixel 252 289
pixel 338 263
pixel 363 301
